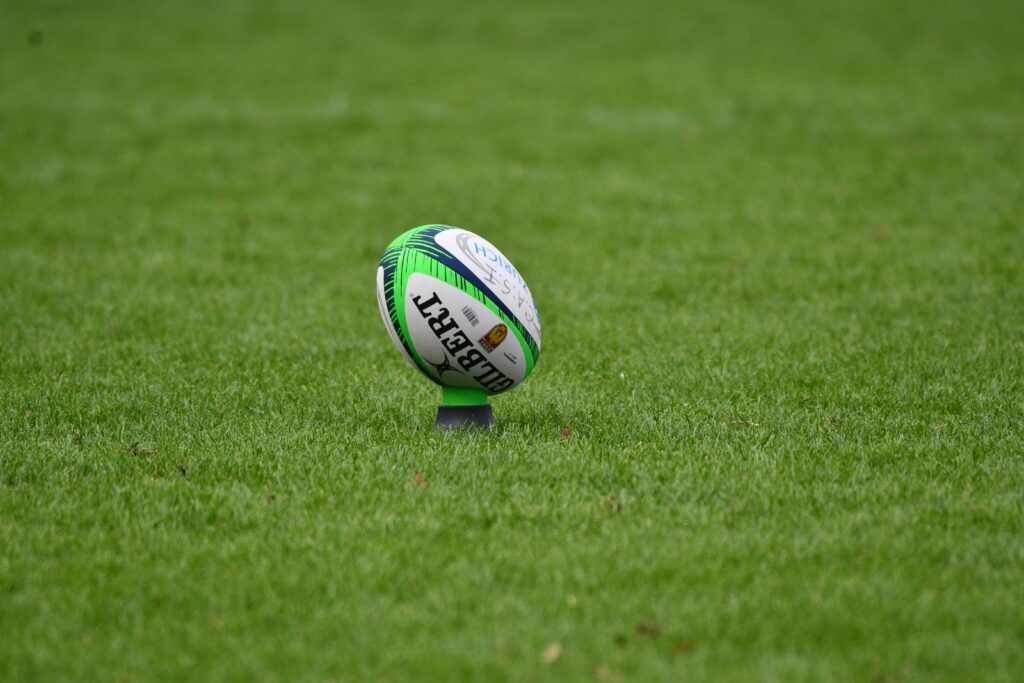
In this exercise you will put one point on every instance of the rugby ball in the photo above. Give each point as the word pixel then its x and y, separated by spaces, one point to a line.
pixel 457 309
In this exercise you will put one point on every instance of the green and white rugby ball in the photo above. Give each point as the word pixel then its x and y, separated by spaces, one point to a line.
pixel 457 309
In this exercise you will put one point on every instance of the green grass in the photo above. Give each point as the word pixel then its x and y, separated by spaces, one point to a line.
pixel 778 250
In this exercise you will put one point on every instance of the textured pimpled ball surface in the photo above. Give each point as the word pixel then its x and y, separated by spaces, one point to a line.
pixel 457 309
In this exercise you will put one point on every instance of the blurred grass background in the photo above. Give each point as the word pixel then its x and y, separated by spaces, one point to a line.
pixel 778 253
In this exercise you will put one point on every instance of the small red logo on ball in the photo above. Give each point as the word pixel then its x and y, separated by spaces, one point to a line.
pixel 492 339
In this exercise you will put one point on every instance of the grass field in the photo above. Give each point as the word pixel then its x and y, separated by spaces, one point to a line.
pixel 777 428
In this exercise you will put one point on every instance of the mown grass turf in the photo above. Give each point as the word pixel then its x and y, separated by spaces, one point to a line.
pixel 778 251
